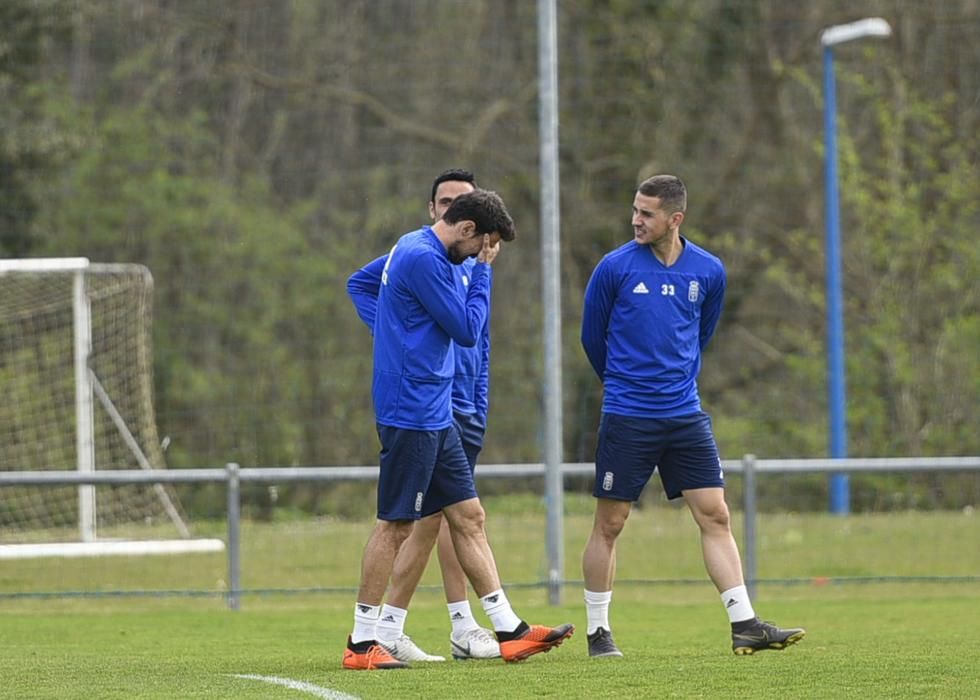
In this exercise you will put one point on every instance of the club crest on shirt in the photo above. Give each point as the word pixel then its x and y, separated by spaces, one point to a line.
pixel 466 280
pixel 693 290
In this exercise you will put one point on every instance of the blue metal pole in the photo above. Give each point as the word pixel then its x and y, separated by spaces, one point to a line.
pixel 839 488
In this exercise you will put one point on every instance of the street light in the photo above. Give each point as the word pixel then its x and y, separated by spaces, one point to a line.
pixel 872 26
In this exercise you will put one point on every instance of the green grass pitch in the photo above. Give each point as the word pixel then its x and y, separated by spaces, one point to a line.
pixel 881 641
pixel 902 639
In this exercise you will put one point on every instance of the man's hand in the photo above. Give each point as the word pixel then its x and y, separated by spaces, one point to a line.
pixel 489 252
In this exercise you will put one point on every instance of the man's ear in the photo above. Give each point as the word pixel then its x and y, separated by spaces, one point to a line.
pixel 467 228
pixel 676 218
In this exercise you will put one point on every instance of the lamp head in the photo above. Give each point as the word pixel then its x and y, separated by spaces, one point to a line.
pixel 871 26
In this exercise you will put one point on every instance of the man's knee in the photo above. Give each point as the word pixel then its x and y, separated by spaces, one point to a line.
pixel 466 517
pixel 717 519
pixel 610 518
pixel 712 515
pixel 396 531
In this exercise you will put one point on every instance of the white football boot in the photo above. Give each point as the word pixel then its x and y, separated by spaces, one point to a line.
pixel 477 643
pixel 404 649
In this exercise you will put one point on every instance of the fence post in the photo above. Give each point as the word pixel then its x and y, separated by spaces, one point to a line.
pixel 749 507
pixel 234 513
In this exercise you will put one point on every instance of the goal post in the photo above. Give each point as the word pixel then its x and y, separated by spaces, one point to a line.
pixel 76 376
pixel 84 415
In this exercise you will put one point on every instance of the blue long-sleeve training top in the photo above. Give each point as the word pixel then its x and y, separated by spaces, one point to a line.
pixel 420 317
pixel 471 380
pixel 644 326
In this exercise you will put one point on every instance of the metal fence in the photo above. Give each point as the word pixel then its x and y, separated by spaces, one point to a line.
pixel 234 476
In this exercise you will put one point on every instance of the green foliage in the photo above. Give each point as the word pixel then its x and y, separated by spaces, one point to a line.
pixel 34 134
pixel 253 156
pixel 132 195
pixel 909 193
pixel 911 254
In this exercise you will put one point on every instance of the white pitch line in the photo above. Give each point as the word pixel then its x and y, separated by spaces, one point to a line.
pixel 302 686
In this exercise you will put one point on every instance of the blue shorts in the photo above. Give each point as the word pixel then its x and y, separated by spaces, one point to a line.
pixel 682 450
pixel 422 472
pixel 471 431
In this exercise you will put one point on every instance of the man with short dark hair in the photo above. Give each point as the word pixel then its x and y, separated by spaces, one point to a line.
pixel 424 469
pixel 468 640
pixel 651 307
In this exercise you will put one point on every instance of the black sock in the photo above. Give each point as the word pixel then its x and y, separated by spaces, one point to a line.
pixel 360 647
pixel 743 625
pixel 507 636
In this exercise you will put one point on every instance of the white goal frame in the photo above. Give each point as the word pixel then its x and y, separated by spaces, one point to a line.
pixel 87 389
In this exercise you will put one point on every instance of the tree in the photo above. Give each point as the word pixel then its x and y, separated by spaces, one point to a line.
pixel 32 117
pixel 254 154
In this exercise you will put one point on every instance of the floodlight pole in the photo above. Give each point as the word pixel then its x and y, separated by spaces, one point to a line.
pixel 551 290
pixel 839 486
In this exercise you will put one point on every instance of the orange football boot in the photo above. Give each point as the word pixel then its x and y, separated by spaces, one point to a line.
pixel 369 656
pixel 528 640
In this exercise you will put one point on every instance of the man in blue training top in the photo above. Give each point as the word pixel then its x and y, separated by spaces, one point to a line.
pixel 651 307
pixel 470 407
pixel 420 315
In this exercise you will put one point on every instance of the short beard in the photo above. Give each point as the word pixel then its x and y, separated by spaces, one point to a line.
pixel 454 256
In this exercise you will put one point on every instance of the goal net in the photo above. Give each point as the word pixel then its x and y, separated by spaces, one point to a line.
pixel 76 387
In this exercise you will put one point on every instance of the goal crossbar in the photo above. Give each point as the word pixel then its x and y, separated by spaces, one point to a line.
pixel 43 265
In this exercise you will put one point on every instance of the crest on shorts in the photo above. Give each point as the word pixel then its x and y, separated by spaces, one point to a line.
pixel 418 501
pixel 607 481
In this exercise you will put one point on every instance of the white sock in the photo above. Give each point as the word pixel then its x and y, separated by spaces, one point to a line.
pixel 737 604
pixel 597 610
pixel 497 608
pixel 391 623
pixel 365 622
pixel 461 617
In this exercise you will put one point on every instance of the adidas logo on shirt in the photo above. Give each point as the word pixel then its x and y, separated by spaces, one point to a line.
pixel 641 289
